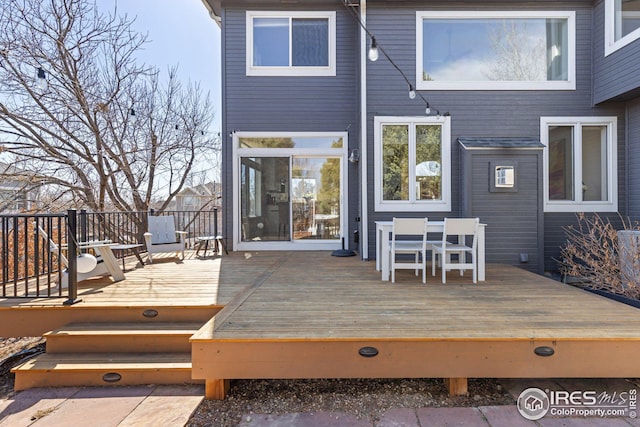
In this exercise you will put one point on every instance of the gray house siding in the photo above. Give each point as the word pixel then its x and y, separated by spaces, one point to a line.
pixel 506 213
pixel 478 113
pixel 616 76
pixel 633 158
pixel 289 104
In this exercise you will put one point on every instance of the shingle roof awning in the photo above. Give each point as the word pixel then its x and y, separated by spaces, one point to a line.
pixel 470 143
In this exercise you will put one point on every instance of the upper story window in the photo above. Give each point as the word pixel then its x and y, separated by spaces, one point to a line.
pixel 580 164
pixel 291 43
pixel 477 50
pixel 622 24
pixel 413 163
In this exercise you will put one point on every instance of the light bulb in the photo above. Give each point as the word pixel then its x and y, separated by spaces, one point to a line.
pixel 427 110
pixel 373 50
pixel 41 81
pixel 412 92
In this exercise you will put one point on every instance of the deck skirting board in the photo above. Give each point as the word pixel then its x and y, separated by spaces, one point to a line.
pixel 608 358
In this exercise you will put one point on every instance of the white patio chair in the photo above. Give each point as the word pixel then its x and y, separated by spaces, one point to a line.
pixel 403 228
pixel 163 237
pixel 463 228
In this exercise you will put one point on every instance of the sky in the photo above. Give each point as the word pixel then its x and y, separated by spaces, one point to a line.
pixel 180 32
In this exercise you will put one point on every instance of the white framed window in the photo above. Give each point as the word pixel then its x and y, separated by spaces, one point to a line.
pixel 621 24
pixel 482 50
pixel 291 43
pixel 580 164
pixel 412 163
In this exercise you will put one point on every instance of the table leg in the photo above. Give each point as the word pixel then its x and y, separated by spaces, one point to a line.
pixel 137 254
pixel 378 243
pixel 219 240
pixel 384 256
pixel 481 255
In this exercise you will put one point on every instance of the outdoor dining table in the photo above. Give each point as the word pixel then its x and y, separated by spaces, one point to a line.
pixel 383 230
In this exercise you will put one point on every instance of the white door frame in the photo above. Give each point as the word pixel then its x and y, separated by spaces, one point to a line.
pixel 292 244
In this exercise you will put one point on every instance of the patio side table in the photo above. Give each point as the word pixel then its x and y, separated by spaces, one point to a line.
pixel 217 241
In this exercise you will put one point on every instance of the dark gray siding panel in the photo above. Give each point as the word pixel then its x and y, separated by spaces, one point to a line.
pixel 289 104
pixel 633 158
pixel 507 214
pixel 478 113
pixel 617 74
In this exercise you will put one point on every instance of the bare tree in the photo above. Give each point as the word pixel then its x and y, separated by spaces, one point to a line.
pixel 78 109
pixel 518 55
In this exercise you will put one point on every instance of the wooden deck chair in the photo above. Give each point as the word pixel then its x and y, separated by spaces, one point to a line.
pixel 403 228
pixel 163 237
pixel 462 228
pixel 99 270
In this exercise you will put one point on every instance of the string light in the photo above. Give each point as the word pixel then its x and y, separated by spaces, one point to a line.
pixel 375 50
pixel 412 92
pixel 41 81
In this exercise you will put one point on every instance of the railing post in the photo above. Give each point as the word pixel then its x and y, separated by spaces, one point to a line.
pixel 215 222
pixel 72 253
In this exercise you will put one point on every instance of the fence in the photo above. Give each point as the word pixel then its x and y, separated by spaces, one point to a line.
pixel 34 247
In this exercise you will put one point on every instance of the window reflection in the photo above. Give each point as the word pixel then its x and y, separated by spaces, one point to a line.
pixel 495 49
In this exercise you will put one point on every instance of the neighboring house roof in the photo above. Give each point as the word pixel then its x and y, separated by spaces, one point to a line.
pixel 209 189
pixel 14 178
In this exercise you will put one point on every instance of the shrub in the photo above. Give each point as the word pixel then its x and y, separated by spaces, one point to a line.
pixel 592 254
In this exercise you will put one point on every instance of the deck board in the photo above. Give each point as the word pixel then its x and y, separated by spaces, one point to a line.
pixel 338 299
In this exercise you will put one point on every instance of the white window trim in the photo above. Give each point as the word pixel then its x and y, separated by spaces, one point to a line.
pixel 239 152
pixel 443 205
pixel 329 70
pixel 610 43
pixel 610 205
pixel 570 84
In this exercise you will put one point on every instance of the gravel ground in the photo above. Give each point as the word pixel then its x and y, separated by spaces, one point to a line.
pixel 365 399
pixel 12 352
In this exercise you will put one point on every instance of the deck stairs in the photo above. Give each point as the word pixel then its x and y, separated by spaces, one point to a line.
pixel 112 353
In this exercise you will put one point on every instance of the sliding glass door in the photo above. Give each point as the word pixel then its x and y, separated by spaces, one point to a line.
pixel 290 192
pixel 315 198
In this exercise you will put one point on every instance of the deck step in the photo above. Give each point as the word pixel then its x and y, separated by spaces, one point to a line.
pixel 152 337
pixel 102 369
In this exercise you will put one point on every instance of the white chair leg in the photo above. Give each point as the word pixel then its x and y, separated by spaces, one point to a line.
pixel 416 259
pixel 444 270
pixel 434 258
pixel 475 268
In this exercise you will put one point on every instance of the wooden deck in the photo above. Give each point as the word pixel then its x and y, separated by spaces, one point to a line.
pixel 311 315
pixel 194 289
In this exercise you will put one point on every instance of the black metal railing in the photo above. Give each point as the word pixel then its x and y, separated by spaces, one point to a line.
pixel 32 262
pixel 34 248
